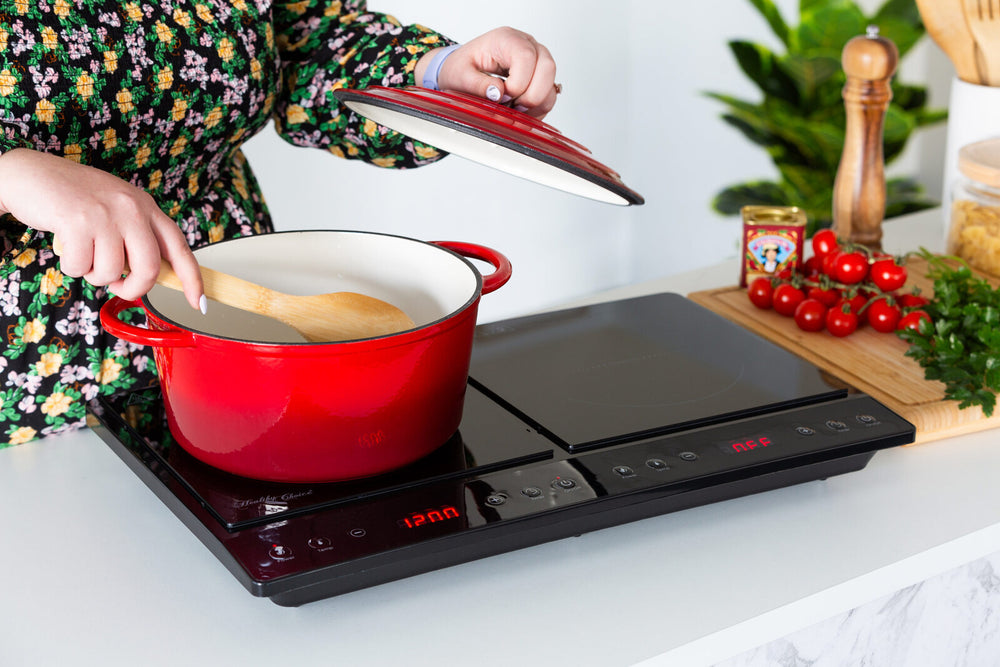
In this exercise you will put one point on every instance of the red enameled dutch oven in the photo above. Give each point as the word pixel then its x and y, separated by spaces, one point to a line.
pixel 248 395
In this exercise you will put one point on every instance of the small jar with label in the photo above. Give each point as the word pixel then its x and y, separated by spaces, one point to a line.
pixel 974 225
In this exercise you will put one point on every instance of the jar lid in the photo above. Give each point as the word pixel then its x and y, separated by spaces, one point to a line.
pixel 980 161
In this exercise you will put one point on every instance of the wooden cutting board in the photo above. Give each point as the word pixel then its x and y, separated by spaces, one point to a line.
pixel 869 361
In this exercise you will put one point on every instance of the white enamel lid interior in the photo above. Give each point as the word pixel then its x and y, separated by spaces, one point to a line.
pixel 491 135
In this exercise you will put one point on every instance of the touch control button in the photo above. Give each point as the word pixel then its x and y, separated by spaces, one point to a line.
pixel 320 543
pixel 531 492
pixel 280 552
pixel 657 464
pixel 688 456
pixel 837 425
pixel 804 430
pixel 496 499
pixel 564 483
pixel 867 420
pixel 624 471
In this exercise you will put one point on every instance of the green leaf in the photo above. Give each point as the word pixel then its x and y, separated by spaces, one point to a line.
pixel 760 64
pixel 895 209
pixel 924 117
pixel 750 128
pixel 992 378
pixel 827 25
pixel 987 400
pixel 759 193
pixel 899 20
pixel 908 98
pixel 812 75
pixel 896 130
pixel 772 15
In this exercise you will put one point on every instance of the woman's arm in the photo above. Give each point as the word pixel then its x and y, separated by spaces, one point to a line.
pixel 107 227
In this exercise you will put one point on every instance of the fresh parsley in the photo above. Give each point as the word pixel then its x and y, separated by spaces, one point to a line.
pixel 960 346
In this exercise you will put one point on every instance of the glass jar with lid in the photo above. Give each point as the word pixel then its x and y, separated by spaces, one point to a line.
pixel 974 224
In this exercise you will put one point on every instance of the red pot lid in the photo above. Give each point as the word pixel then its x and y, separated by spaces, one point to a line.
pixel 491 134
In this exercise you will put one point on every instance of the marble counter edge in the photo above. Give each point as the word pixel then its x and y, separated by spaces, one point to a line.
pixel 851 594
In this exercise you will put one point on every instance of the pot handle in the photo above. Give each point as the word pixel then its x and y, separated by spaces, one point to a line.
pixel 133 334
pixel 501 265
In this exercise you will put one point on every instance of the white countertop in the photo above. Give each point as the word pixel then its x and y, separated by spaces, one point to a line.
pixel 95 570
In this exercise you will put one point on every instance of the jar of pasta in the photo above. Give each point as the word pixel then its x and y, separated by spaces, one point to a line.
pixel 974 226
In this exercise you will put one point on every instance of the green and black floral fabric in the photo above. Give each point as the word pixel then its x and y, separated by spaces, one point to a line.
pixel 162 94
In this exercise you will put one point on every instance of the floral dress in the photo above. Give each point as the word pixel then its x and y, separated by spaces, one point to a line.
pixel 162 93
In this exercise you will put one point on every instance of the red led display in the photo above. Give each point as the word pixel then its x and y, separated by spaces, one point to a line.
pixel 443 513
pixel 745 445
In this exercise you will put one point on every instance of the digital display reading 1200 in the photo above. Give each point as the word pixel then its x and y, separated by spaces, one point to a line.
pixel 745 445
pixel 416 519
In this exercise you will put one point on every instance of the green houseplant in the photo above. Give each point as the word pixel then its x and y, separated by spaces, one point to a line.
pixel 800 120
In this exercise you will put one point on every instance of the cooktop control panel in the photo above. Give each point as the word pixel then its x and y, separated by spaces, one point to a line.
pixel 426 519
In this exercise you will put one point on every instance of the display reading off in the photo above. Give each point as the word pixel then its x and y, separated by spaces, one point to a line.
pixel 743 445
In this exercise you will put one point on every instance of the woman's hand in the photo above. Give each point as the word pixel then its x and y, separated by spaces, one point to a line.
pixel 525 70
pixel 106 227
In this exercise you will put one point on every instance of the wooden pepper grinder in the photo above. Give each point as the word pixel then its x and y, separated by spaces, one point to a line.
pixel 859 189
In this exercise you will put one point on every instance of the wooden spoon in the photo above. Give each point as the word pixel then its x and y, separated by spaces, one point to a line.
pixel 983 19
pixel 319 318
pixel 946 24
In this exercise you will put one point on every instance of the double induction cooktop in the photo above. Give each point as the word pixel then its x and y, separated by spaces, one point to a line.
pixel 575 420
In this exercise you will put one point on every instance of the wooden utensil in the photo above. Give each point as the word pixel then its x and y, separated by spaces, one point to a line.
pixel 946 24
pixel 320 318
pixel 983 18
pixel 859 188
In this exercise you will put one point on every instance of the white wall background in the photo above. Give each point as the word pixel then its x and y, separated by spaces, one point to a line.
pixel 634 73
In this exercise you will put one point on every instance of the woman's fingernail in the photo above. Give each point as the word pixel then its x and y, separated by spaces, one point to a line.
pixel 505 99
pixel 203 305
pixel 493 94
pixel 520 107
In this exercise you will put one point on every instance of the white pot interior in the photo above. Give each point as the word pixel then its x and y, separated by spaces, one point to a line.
pixel 421 279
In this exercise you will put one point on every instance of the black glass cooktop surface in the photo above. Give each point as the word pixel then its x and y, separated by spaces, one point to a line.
pixel 615 371
pixel 490 439
pixel 586 378
pixel 574 420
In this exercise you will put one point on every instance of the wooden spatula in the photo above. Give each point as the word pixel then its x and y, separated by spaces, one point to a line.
pixel 946 24
pixel 319 318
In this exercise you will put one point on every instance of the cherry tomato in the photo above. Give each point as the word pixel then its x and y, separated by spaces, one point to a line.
pixel 813 266
pixel 887 275
pixel 787 298
pixel 829 263
pixel 912 301
pixel 855 303
pixel 810 315
pixel 841 321
pixel 761 292
pixel 827 296
pixel 882 315
pixel 851 267
pixel 824 242
pixel 912 320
